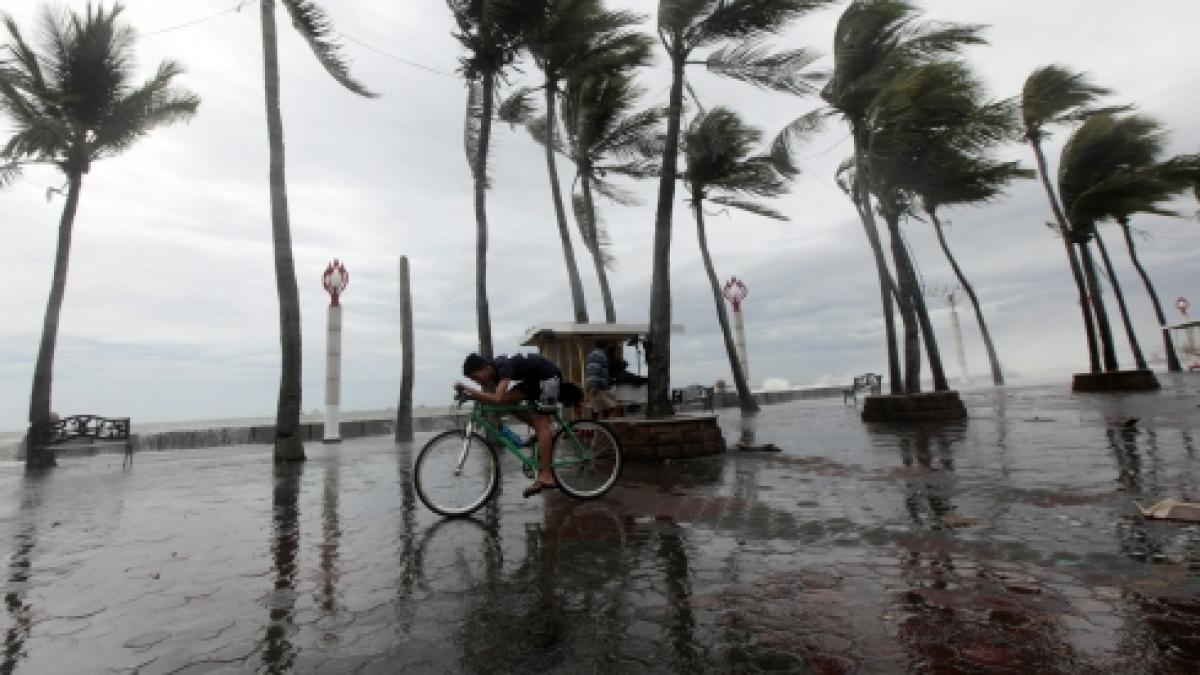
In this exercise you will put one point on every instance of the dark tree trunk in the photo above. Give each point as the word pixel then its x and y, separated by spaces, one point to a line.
pixel 288 444
pixel 483 318
pixel 610 310
pixel 886 283
pixel 578 305
pixel 905 293
pixel 1173 364
pixel 932 353
pixel 997 374
pixel 1107 344
pixel 39 453
pixel 1064 230
pixel 658 352
pixel 404 419
pixel 745 398
pixel 1134 346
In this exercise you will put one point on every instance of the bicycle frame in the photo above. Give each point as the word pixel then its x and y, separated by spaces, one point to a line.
pixel 478 420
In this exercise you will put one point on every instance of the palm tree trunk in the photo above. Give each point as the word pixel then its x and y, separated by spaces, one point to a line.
pixel 610 310
pixel 39 453
pixel 908 314
pixel 1076 269
pixel 1107 345
pixel 483 317
pixel 887 285
pixel 997 374
pixel 745 398
pixel 1134 346
pixel 288 445
pixel 658 347
pixel 1173 364
pixel 932 353
pixel 564 229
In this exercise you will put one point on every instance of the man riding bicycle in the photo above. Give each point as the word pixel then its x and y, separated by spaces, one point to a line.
pixel 507 380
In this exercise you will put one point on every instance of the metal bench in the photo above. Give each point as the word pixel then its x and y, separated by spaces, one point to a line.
pixel 93 427
pixel 869 382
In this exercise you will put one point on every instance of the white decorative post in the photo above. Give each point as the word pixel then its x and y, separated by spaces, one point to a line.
pixel 735 292
pixel 335 280
pixel 1189 349
pixel 952 297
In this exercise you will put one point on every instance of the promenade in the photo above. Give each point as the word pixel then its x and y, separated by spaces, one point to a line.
pixel 1006 544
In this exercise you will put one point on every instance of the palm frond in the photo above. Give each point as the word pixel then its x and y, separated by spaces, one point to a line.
pixel 718 149
pixel 757 208
pixel 518 108
pixel 25 58
pixel 682 15
pixel 798 131
pixel 635 169
pixel 153 104
pixel 1053 95
pixel 753 62
pixel 741 19
pixel 9 172
pixel 595 237
pixel 315 26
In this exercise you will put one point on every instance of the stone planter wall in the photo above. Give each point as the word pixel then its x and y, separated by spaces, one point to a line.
pixel 674 438
pixel 903 408
pixel 1121 380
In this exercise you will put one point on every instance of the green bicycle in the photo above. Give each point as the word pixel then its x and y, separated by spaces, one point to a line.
pixel 458 471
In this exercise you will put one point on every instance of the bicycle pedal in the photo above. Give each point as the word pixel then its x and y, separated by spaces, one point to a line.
pixel 528 471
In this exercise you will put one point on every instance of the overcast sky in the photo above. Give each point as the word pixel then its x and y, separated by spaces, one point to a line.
pixel 171 310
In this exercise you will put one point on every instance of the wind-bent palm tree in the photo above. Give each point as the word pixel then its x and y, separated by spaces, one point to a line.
pixel 721 169
pixel 72 104
pixel 1096 153
pixel 315 27
pixel 570 38
pixel 1110 170
pixel 492 39
pixel 606 134
pixel 932 138
pixel 683 27
pixel 876 40
pixel 1053 95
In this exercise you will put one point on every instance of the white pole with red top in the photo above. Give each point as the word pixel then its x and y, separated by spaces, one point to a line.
pixel 335 279
pixel 735 292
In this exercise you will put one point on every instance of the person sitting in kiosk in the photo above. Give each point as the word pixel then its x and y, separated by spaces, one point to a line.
pixel 508 380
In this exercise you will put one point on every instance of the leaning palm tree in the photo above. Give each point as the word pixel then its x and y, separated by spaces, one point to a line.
pixel 1096 154
pixel 874 41
pixel 1110 171
pixel 685 26
pixel 315 27
pixel 721 169
pixel 606 134
pixel 491 38
pixel 72 104
pixel 1053 95
pixel 571 38
pixel 964 181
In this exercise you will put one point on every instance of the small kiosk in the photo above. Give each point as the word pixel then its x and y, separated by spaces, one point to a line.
pixel 679 436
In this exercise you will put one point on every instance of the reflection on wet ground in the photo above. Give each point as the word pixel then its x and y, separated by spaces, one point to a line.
pixel 1008 543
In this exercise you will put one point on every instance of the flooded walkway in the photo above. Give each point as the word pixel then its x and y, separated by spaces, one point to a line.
pixel 1010 543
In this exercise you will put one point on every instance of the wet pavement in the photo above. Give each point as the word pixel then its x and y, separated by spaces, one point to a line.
pixel 1006 544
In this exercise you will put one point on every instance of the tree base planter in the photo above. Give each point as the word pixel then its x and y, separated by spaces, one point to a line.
pixel 931 407
pixel 1118 381
pixel 677 437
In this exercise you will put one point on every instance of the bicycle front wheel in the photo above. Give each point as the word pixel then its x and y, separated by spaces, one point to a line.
pixel 456 473
pixel 586 459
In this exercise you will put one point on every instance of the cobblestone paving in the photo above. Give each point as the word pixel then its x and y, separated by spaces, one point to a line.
pixel 1007 544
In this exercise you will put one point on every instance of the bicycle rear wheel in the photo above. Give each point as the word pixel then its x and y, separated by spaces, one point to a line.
pixel 586 459
pixel 455 473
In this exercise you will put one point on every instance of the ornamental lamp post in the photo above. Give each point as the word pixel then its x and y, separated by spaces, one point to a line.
pixel 1189 329
pixel 735 292
pixel 335 279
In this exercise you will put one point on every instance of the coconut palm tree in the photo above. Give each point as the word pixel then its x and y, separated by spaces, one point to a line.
pixel 721 169
pixel 874 41
pixel 492 41
pixel 1053 95
pixel 569 38
pixel 72 104
pixel 685 26
pixel 1094 157
pixel 606 134
pixel 932 137
pixel 315 27
pixel 1111 172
